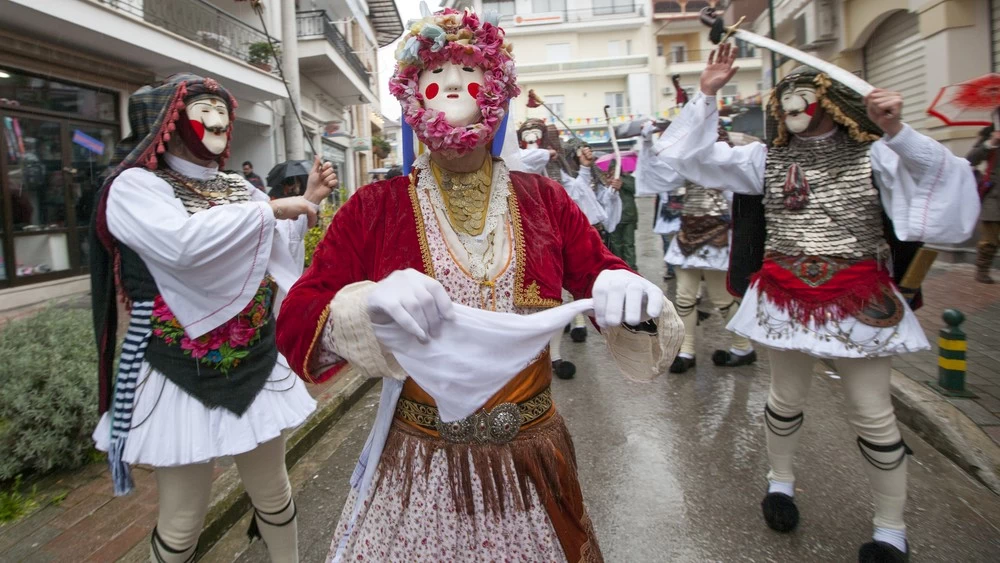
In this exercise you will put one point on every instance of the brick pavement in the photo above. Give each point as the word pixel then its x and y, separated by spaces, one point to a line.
pixel 89 524
pixel 951 286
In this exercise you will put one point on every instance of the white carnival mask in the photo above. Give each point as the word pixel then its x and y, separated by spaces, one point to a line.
pixel 531 137
pixel 452 89
pixel 799 105
pixel 213 116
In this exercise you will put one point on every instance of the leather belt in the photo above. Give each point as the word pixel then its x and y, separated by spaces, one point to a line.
pixel 499 425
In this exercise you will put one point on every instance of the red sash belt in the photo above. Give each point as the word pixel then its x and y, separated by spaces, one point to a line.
pixel 817 289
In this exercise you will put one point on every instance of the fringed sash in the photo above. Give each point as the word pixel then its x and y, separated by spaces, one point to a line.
pixel 123 402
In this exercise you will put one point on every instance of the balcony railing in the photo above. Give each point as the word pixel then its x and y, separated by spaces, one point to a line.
pixel 196 20
pixel 316 23
pixel 701 55
pixel 578 15
pixel 589 64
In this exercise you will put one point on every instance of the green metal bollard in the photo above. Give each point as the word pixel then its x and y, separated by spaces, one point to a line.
pixel 952 347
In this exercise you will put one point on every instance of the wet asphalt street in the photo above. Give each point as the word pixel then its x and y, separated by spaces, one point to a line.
pixel 674 470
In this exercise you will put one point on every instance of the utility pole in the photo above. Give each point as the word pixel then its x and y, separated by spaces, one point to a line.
pixel 290 67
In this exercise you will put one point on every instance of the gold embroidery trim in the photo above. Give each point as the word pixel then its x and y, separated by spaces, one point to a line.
pixel 524 296
pixel 418 216
pixel 427 415
pixel 312 345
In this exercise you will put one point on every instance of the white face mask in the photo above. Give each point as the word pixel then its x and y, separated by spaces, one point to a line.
pixel 531 137
pixel 213 114
pixel 799 106
pixel 452 89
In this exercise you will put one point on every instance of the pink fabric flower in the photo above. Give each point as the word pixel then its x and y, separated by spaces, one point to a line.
pixel 488 50
pixel 198 347
pixel 241 333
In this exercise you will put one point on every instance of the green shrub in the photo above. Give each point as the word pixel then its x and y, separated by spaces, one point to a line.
pixel 48 392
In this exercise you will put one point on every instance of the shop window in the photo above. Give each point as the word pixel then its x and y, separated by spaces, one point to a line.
pixel 26 91
pixel 56 143
pixel 668 7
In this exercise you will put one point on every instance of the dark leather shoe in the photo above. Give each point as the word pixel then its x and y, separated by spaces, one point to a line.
pixel 563 369
pixel 578 334
pixel 882 552
pixel 780 512
pixel 725 358
pixel 681 364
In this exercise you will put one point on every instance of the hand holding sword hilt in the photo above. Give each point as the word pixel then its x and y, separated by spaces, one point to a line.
pixel 719 32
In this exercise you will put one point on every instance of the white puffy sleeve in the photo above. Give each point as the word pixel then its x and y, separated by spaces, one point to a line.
pixel 929 193
pixel 652 174
pixel 207 266
pixel 611 203
pixel 580 192
pixel 690 147
pixel 534 160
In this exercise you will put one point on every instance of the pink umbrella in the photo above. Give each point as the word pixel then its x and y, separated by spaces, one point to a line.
pixel 629 159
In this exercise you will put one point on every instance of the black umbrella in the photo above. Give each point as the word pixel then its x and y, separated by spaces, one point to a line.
pixel 288 169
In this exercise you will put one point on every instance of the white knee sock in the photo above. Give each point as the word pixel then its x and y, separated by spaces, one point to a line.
pixel 555 347
pixel 266 480
pixel 184 494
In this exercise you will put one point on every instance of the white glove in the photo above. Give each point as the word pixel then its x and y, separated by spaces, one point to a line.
pixel 414 301
pixel 621 296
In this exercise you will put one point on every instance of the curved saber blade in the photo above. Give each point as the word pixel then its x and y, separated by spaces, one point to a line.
pixel 841 75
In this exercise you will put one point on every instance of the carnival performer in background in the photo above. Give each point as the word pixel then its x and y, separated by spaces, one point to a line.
pixel 666 221
pixel 587 186
pixel 841 178
pixel 462 237
pixel 541 153
pixel 203 260
pixel 699 251
pixel 989 218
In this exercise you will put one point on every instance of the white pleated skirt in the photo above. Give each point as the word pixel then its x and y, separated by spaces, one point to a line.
pixel 760 320
pixel 707 257
pixel 171 427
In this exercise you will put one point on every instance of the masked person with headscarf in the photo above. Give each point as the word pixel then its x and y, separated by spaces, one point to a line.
pixel 427 282
pixel 202 260
pixel 842 182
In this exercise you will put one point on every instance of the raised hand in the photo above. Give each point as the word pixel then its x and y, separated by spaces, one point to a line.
pixel 885 108
pixel 720 69
pixel 322 181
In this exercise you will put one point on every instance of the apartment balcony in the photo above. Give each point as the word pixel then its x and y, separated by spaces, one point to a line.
pixel 326 58
pixel 161 37
pixel 580 19
pixel 693 62
pixel 608 67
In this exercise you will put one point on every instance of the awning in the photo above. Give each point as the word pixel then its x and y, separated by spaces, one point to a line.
pixel 385 19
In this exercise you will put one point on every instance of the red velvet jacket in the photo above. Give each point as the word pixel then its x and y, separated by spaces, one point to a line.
pixel 380 230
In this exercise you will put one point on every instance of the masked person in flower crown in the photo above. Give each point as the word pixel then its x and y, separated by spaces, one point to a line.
pixel 425 256
pixel 202 259
pixel 843 182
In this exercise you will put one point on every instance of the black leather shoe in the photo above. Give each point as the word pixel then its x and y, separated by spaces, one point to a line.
pixel 725 358
pixel 780 512
pixel 882 552
pixel 563 369
pixel 578 334
pixel 681 364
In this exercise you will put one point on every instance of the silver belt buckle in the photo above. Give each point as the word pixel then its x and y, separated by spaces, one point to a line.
pixel 498 426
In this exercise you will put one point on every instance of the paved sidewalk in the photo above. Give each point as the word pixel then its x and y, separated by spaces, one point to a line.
pixel 952 286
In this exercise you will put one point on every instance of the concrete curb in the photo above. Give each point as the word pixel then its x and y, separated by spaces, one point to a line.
pixel 946 428
pixel 230 502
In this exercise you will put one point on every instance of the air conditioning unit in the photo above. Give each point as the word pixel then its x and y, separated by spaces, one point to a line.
pixel 816 25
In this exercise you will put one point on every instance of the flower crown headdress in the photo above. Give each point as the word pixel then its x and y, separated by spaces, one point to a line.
pixel 461 38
